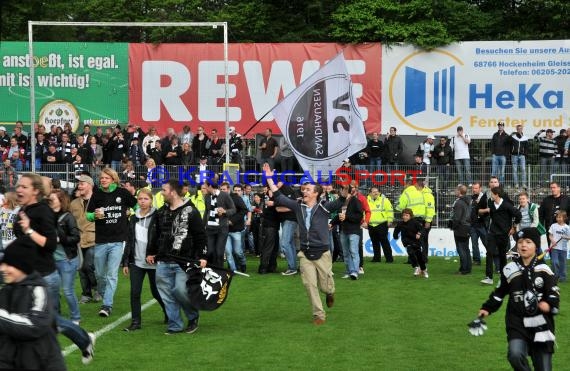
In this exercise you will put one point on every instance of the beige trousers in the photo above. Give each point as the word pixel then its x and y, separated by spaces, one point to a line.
pixel 317 274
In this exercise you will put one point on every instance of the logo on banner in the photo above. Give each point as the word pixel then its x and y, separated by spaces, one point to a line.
pixel 423 92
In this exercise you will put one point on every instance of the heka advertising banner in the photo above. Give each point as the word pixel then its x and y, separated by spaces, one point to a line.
pixel 319 116
pixel 75 83
pixel 172 85
pixel 476 85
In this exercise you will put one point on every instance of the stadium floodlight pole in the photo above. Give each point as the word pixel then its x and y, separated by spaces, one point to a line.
pixel 31 24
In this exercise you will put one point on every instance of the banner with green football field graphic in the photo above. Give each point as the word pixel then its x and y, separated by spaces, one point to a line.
pixel 76 83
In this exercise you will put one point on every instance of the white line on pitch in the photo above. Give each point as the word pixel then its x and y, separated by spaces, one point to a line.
pixel 72 348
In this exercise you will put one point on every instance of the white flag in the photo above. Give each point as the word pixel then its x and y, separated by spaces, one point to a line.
pixel 321 120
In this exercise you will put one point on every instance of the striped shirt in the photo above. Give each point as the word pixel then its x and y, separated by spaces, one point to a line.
pixel 546 147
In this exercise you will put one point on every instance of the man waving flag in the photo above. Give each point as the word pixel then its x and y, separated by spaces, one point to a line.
pixel 321 120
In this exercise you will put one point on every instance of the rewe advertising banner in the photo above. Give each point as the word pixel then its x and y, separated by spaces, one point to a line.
pixel 476 85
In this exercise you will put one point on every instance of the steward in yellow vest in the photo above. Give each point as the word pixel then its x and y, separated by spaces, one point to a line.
pixel 382 216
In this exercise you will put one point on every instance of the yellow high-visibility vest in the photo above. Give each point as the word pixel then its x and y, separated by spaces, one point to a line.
pixel 381 210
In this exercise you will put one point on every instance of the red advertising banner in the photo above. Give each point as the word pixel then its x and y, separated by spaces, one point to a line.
pixel 172 85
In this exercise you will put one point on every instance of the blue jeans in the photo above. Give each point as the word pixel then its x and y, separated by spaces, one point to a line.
pixel 498 167
pixel 375 163
pixel 288 243
pixel 463 167
pixel 116 165
pixel 171 284
pixel 558 258
pixel 107 260
pixel 67 270
pixel 518 356
pixel 234 247
pixel 519 161
pixel 69 329
pixel 349 244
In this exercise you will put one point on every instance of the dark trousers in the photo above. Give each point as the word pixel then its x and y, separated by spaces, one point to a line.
pixel 217 238
pixel 337 247
pixel 462 245
pixel 424 241
pixel 477 232
pixel 379 237
pixel 416 257
pixel 269 249
pixel 136 275
pixel 518 357
pixel 497 247
pixel 87 272
pixel 360 249
pixel 256 232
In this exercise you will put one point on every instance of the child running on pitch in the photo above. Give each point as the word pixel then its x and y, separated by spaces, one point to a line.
pixel 529 288
pixel 411 232
pixel 559 236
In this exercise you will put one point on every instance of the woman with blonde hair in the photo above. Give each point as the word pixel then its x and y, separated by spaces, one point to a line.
pixel 142 234
pixel 109 210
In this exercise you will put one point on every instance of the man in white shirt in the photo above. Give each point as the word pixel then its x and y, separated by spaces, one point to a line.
pixel 460 145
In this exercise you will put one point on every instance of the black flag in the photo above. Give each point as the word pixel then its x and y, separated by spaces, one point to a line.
pixel 208 287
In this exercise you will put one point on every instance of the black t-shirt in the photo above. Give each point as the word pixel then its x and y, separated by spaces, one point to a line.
pixel 114 227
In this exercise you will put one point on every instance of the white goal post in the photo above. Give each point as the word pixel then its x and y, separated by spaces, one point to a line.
pixel 31 25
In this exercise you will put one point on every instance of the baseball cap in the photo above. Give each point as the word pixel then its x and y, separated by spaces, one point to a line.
pixel 431 137
pixel 86 179
pixel 2 128
pixel 232 129
pixel 203 157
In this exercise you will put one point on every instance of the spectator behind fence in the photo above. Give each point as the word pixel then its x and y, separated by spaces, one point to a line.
pixel 460 145
pixel 519 151
pixel 551 204
pixel 546 153
pixel 236 146
pixel 560 161
pixel 442 158
pixel 393 148
pixel 200 144
pixel 186 135
pixel 375 150
pixel 269 149
pixel 500 145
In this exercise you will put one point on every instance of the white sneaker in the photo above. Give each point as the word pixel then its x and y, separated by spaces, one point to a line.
pixel 89 353
pixel 417 271
pixel 346 276
pixel 360 270
pixel 487 281
pixel 425 274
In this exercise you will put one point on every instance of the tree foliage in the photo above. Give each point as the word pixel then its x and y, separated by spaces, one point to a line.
pixel 424 23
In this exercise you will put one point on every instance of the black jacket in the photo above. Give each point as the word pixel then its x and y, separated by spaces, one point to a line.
pixel 551 205
pixel 393 148
pixel 42 220
pixel 237 220
pixel 27 327
pixel 351 223
pixel 523 294
pixel 315 240
pixel 180 232
pixel 461 216
pixel 519 144
pixel 408 230
pixel 224 201
pixel 500 144
pixel 68 233
pixel 503 218
pixel 152 237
